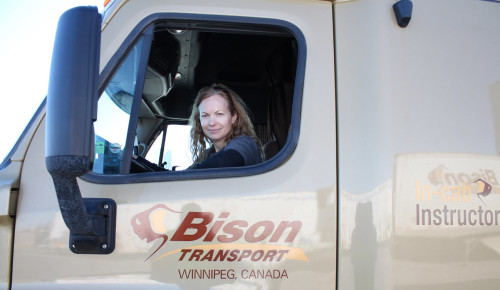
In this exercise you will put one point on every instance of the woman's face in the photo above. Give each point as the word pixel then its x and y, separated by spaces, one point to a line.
pixel 216 119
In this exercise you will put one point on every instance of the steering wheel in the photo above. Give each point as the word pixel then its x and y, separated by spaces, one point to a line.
pixel 140 164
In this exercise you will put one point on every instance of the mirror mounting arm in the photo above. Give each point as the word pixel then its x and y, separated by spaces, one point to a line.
pixel 68 193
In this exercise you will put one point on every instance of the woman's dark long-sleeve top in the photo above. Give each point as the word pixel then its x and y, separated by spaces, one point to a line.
pixel 241 151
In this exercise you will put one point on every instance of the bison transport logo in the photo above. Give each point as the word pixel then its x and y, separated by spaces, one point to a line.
pixel 145 225
pixel 218 237
pixel 477 182
pixel 484 189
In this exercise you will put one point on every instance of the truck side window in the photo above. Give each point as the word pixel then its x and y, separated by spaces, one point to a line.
pixel 260 62
pixel 114 108
pixel 175 154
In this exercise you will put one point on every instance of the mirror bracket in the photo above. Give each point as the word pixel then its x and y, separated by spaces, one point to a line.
pixel 103 212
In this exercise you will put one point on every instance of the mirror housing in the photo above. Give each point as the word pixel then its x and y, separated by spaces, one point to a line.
pixel 71 110
pixel 72 95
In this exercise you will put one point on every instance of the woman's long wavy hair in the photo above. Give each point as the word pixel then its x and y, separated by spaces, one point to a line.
pixel 242 126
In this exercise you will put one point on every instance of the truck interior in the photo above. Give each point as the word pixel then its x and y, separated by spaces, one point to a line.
pixel 258 62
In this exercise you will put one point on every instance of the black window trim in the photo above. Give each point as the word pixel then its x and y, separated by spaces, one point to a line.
pixel 136 104
pixel 274 162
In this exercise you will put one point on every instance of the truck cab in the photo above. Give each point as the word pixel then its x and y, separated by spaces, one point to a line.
pixel 379 133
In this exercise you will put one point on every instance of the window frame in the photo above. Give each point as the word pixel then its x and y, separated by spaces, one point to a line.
pixel 122 52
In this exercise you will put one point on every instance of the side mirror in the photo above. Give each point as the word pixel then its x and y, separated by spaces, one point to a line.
pixel 71 110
